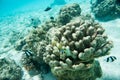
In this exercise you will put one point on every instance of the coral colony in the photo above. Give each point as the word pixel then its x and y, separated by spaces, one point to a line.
pixel 108 9
pixel 9 70
pixel 68 45
pixel 74 47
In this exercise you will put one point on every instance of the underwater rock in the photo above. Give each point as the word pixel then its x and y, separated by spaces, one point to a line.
pixel 74 47
pixel 106 9
pixel 9 70
pixel 67 12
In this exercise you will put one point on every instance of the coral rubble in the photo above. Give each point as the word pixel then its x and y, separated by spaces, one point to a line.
pixel 9 70
pixel 106 9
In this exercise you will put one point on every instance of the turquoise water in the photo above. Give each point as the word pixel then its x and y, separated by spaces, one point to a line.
pixel 9 7
pixel 15 18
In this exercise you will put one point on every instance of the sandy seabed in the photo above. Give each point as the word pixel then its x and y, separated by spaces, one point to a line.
pixel 17 25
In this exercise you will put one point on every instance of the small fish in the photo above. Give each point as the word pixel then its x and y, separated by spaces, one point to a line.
pixel 51 17
pixel 28 53
pixel 110 59
pixel 47 9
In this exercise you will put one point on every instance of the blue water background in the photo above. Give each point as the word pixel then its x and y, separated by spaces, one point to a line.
pixel 11 7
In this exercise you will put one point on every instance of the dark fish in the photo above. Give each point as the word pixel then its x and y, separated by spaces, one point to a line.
pixel 47 9
pixel 28 53
pixel 110 59
pixel 51 17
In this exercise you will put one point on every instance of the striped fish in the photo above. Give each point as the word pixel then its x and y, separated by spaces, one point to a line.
pixel 28 53
pixel 110 59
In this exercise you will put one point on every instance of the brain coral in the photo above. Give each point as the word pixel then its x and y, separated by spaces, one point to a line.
pixel 73 48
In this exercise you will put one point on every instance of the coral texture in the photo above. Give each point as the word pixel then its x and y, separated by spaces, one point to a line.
pixel 69 44
pixel 36 41
pixel 106 9
pixel 32 64
pixel 74 47
pixel 9 70
pixel 68 12
pixel 33 46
